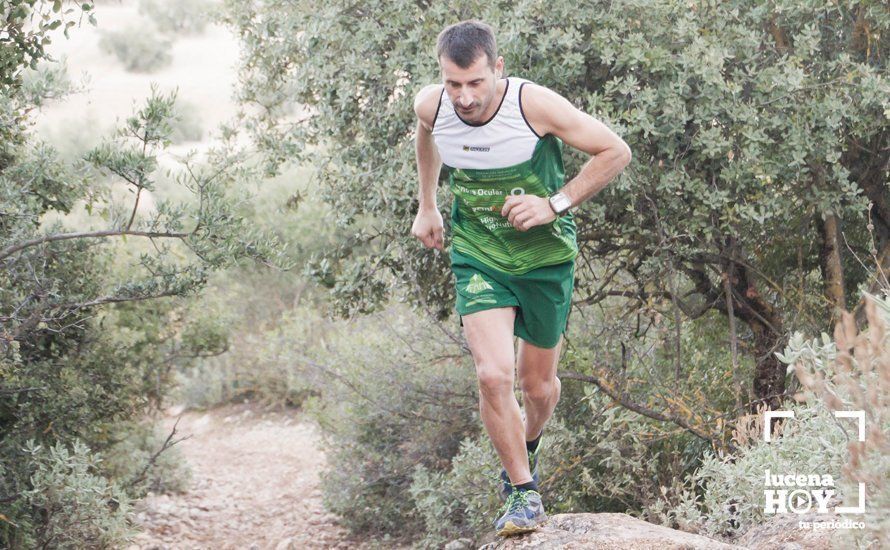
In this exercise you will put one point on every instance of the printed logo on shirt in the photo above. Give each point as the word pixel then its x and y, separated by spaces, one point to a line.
pixel 473 149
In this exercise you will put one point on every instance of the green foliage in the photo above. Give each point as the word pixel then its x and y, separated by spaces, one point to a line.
pixel 612 461
pixel 724 497
pixel 78 507
pixel 733 486
pixel 140 49
pixel 128 459
pixel 49 81
pixel 260 366
pixel 852 372
pixel 394 397
pixel 263 328
pixel 186 17
pixel 750 123
pixel 732 133
pixel 187 125
pixel 26 32
pixel 461 502
pixel 92 311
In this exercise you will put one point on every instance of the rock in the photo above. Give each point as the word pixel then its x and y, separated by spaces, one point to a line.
pixel 459 544
pixel 783 532
pixel 607 532
pixel 286 544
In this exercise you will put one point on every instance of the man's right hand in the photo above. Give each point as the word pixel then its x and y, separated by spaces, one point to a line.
pixel 429 228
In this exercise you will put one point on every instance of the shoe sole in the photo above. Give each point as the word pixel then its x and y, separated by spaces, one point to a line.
pixel 510 529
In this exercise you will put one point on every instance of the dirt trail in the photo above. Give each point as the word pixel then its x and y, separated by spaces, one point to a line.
pixel 255 485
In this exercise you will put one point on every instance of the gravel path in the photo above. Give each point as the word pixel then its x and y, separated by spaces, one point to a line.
pixel 254 486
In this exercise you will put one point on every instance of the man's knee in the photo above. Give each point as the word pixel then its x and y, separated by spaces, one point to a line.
pixel 494 379
pixel 539 389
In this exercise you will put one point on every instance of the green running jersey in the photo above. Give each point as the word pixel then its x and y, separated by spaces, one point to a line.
pixel 480 231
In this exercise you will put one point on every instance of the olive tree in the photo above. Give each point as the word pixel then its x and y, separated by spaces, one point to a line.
pixel 89 281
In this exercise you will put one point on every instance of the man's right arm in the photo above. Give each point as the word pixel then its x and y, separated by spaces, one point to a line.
pixel 428 225
pixel 428 162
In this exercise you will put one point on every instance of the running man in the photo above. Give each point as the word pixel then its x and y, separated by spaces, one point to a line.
pixel 513 236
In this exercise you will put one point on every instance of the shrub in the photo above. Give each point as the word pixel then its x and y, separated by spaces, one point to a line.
pixel 47 82
pixel 179 16
pixel 460 502
pixel 90 326
pixel 395 397
pixel 612 465
pixel 130 461
pixel 140 49
pixel 187 124
pixel 853 373
pixel 258 364
pixel 78 507
pixel 731 486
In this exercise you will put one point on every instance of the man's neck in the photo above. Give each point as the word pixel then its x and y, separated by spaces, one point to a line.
pixel 500 90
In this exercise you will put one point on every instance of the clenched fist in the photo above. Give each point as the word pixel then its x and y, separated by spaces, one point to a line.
pixel 527 211
pixel 429 228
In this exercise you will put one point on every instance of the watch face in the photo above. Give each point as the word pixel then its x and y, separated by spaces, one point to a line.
pixel 560 203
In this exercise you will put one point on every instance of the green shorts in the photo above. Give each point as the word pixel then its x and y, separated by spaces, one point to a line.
pixel 543 296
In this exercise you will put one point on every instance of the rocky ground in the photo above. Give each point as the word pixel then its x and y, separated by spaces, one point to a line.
pixel 254 486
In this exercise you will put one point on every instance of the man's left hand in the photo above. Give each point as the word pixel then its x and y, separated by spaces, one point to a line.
pixel 527 211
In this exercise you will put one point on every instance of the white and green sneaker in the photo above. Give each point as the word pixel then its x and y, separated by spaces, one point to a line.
pixel 522 512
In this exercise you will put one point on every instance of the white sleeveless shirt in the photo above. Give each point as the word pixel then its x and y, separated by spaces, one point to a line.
pixel 504 140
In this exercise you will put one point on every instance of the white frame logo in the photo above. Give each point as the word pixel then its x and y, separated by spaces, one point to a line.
pixel 767 436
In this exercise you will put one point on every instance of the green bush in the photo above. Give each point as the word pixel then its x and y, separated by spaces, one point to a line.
pixel 179 16
pixel 47 82
pixel 187 124
pixel 612 465
pixel 129 459
pixel 262 330
pixel 732 486
pixel 141 49
pixel 92 328
pixel 265 327
pixel 395 396
pixel 724 497
pixel 462 501
pixel 76 505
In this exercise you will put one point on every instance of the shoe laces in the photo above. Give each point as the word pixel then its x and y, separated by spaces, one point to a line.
pixel 516 500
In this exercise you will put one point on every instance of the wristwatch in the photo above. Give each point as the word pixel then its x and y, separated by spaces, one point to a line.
pixel 560 203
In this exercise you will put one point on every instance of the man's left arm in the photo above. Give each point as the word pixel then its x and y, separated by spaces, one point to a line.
pixel 549 113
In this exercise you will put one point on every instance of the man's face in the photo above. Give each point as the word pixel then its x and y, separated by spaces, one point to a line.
pixel 473 89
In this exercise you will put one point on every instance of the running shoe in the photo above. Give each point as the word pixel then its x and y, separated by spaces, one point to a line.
pixel 522 512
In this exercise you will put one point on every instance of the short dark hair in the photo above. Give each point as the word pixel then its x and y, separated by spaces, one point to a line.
pixel 464 42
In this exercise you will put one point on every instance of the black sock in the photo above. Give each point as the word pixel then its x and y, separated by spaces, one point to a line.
pixel 530 486
pixel 532 445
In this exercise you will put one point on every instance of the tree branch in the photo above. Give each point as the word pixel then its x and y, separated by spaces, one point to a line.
pixel 138 478
pixel 9 251
pixel 623 399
